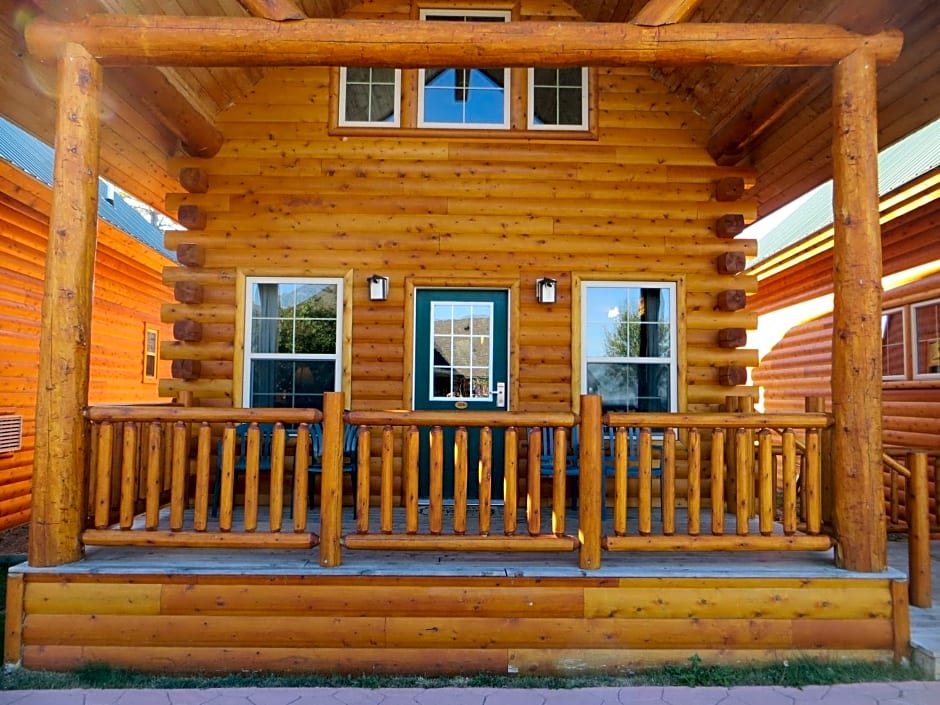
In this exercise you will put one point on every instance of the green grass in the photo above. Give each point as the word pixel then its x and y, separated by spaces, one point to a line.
pixel 694 673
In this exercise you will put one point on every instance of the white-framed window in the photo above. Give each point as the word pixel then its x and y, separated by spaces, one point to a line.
pixel 464 98
pixel 629 348
pixel 151 346
pixel 926 338
pixel 369 97
pixel 893 351
pixel 293 341
pixel 558 99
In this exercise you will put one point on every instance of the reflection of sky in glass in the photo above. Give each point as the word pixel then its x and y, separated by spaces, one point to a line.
pixel 481 101
pixel 606 306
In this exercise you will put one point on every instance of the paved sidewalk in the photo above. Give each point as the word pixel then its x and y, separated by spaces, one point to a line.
pixel 901 693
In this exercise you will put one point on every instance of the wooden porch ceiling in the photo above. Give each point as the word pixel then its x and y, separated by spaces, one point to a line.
pixel 777 120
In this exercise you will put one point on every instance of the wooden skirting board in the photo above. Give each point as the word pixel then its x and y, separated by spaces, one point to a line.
pixel 444 624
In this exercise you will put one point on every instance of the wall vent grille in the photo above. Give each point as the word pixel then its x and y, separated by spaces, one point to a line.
pixel 11 433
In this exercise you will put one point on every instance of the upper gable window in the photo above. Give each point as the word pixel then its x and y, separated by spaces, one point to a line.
pixel 462 98
pixel 370 96
pixel 558 99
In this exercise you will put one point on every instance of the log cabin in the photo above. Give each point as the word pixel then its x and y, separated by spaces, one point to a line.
pixel 129 263
pixel 794 304
pixel 459 363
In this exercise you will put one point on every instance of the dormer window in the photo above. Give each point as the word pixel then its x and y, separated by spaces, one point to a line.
pixel 464 98
pixel 541 100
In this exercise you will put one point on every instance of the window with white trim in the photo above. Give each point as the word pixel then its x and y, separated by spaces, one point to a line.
pixel 462 98
pixel 926 338
pixel 628 340
pixel 370 97
pixel 558 99
pixel 293 341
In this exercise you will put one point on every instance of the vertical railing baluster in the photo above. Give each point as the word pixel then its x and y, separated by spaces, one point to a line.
pixel 203 468
pixel 667 499
pixel 645 476
pixel 789 482
pixel 302 480
pixel 461 465
pixel 436 481
pixel 154 476
pixel 534 483
pixel 227 491
pixel 694 508
pixel 412 441
pixel 276 491
pixel 510 481
pixel 363 478
pixel 718 481
pixel 105 438
pixel 485 472
pixel 559 479
pixel 811 485
pixel 180 467
pixel 765 482
pixel 387 490
pixel 621 455
pixel 743 452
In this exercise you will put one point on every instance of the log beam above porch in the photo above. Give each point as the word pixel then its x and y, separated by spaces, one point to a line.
pixel 201 41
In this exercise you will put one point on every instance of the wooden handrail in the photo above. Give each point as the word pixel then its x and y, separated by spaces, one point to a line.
pixel 116 414
pixel 718 420
pixel 494 419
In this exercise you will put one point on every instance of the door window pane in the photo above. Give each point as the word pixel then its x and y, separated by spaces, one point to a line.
pixel 462 337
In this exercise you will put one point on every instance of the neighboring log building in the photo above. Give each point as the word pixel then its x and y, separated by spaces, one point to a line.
pixel 128 289
pixel 795 301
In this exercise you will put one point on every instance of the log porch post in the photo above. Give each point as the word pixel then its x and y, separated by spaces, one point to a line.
pixel 58 508
pixel 858 505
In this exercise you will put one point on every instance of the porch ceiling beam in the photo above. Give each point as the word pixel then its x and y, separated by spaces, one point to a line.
pixel 197 134
pixel 660 12
pixel 116 40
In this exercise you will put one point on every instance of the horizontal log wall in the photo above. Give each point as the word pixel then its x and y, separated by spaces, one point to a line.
pixel 448 625
pixel 128 290
pixel 286 195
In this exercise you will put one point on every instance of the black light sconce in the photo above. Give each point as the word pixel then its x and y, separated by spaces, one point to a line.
pixel 378 288
pixel 546 290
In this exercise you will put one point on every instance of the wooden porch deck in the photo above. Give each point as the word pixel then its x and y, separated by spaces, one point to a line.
pixel 224 609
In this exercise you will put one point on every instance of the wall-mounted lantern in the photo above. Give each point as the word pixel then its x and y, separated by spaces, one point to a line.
pixel 378 288
pixel 545 290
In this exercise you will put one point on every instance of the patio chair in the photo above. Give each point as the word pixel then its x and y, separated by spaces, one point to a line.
pixel 547 459
pixel 609 452
pixel 241 457
pixel 350 457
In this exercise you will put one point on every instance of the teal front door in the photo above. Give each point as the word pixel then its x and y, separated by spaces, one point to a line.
pixel 462 363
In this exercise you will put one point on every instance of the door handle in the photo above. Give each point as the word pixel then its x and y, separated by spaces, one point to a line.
pixel 501 395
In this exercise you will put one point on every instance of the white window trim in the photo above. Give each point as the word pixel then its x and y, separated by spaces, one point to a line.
pixel 672 287
pixel 507 74
pixel 341 118
pixel 337 356
pixel 904 345
pixel 582 127
pixel 915 341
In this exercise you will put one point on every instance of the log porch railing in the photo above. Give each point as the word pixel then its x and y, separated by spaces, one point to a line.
pixel 908 485
pixel 152 469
